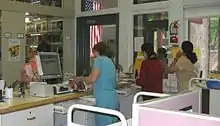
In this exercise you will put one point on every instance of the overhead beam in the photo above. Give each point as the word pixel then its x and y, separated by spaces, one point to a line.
pixel 13 6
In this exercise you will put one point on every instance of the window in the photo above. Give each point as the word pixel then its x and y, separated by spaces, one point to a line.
pixel 204 34
pixel 153 28
pixel 56 3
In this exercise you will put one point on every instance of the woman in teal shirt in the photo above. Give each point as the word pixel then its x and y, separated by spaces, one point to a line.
pixel 103 76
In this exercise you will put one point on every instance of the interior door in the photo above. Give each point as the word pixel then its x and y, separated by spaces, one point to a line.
pixel 109 33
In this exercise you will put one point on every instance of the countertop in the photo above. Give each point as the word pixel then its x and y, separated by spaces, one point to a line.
pixel 17 104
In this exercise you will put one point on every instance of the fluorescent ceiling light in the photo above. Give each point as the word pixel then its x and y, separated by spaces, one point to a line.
pixel 36 19
pixel 27 20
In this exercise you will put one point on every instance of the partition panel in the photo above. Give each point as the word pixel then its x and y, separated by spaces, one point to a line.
pixel 150 116
pixel 179 102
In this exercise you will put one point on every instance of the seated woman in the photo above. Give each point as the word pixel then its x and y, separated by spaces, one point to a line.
pixel 29 69
pixel 151 73
pixel 183 65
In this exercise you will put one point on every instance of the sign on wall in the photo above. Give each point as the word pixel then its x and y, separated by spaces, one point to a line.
pixel 14 50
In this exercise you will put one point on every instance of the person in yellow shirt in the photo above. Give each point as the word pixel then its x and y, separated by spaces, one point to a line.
pixel 184 65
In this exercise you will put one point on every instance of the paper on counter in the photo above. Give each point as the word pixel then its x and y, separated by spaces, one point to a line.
pixel 65 82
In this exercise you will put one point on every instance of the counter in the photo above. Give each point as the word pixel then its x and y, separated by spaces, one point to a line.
pixel 37 111
pixel 17 104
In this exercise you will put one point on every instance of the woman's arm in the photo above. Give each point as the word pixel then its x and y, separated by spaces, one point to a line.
pixel 94 74
pixel 173 68
pixel 92 77
pixel 24 76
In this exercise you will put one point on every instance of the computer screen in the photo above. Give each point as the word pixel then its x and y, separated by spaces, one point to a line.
pixel 48 64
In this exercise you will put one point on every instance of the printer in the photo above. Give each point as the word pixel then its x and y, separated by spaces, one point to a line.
pixel 41 89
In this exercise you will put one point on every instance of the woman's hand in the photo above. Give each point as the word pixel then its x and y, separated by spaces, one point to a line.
pixel 73 81
pixel 72 84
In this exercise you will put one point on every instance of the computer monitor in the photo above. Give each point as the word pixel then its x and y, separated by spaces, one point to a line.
pixel 48 66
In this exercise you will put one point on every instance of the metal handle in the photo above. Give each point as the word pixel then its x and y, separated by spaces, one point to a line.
pixel 135 100
pixel 94 110
pixel 200 79
pixel 31 118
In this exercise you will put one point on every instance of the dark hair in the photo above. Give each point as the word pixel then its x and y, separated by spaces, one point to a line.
pixel 162 51
pixel 44 47
pixel 104 49
pixel 149 49
pixel 187 48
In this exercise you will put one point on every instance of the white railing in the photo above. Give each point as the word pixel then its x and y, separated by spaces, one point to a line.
pixel 200 79
pixel 135 100
pixel 95 110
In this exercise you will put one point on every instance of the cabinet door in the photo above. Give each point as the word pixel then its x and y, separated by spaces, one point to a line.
pixel 45 117
pixel 40 116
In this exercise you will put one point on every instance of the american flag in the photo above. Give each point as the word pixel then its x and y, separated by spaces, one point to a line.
pixel 95 30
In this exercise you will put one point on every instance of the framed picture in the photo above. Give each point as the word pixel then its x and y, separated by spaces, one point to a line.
pixel 7 35
pixel 20 36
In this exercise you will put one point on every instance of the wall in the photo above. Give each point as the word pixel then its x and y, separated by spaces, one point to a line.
pixel 108 32
pixel 169 118
pixel 68 40
pixel 110 3
pixel 125 34
pixel 12 69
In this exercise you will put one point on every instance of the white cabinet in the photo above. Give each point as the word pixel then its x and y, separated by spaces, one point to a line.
pixel 80 117
pixel 40 116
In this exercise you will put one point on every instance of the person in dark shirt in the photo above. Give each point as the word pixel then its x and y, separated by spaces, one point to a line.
pixel 44 47
pixel 151 73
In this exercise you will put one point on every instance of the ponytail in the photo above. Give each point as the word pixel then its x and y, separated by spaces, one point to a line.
pixel 192 57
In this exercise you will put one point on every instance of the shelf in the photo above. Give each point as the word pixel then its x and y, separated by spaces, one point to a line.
pixel 44 32
pixel 46 28
pixel 55 19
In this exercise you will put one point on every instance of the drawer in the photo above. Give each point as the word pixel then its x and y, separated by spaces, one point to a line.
pixel 40 116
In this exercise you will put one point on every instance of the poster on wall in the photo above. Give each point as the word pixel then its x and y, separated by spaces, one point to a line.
pixel 14 50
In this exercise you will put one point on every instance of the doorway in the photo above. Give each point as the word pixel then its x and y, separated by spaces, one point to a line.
pixel 151 28
pixel 91 30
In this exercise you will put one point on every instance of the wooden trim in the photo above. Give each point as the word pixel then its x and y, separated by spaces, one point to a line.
pixel 41 102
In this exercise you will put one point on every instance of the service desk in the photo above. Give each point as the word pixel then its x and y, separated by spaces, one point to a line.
pixel 36 111
pixel 32 111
